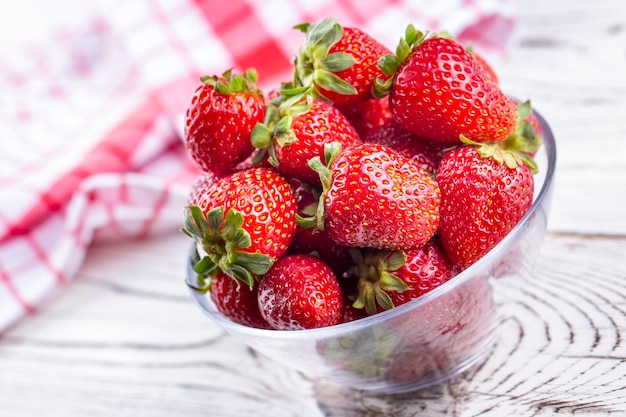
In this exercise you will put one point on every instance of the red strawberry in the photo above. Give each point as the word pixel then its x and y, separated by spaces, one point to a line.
pixel 485 191
pixel 374 197
pixel 367 115
pixel 244 222
pixel 389 279
pixel 203 181
pixel 300 292
pixel 237 302
pixel 425 269
pixel 312 241
pixel 220 119
pixel 339 64
pixel 440 92
pixel 351 313
pixel 299 133
pixel 486 66
pixel 426 153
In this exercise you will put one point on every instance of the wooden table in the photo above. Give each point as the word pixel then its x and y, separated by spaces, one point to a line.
pixel 124 338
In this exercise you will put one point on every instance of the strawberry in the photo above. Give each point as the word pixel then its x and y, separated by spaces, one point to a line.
pixel 351 313
pixel 374 197
pixel 446 331
pixel 491 73
pixel 243 222
pixel 426 153
pixel 300 292
pixel 367 115
pixel 220 119
pixel 237 302
pixel 298 132
pixel 312 241
pixel 338 63
pixel 203 181
pixel 527 138
pixel 425 269
pixel 439 92
pixel 389 279
pixel 485 191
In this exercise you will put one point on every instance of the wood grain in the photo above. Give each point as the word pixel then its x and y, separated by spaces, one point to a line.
pixel 559 350
pixel 568 58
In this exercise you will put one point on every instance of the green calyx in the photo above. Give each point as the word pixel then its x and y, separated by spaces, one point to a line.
pixel 376 270
pixel 230 83
pixel 518 148
pixel 224 241
pixel 315 67
pixel 525 141
pixel 390 64
pixel 331 150
pixel 276 128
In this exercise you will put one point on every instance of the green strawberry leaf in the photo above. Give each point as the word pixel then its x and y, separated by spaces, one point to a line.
pixel 241 239
pixel 395 260
pixel 411 35
pixel 306 222
pixel 383 299
pixel 530 162
pixel 258 157
pixel 366 298
pixel 336 62
pixel 381 88
pixel 238 84
pixel 233 222
pixel 291 91
pixel 215 218
pixel 251 75
pixel 402 50
pixel 205 266
pixel 241 275
pixel 256 263
pixel 388 64
pixel 284 125
pixel 303 27
pixel 331 150
pixel 329 81
pixel 523 110
pixel 390 282
pixel 509 160
pixel 325 174
pixel 311 209
pixel 190 226
pixel 261 136
pixel 223 88
pixel 223 238
pixel 323 32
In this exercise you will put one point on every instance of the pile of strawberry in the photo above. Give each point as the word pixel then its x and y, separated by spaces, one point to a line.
pixel 367 180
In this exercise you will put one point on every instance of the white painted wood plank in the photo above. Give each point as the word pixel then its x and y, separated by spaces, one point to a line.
pixel 568 58
pixel 125 336
pixel 135 343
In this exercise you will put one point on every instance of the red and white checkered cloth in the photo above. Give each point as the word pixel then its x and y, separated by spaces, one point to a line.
pixel 91 115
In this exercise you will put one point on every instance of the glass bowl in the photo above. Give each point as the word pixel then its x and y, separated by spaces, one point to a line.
pixel 425 341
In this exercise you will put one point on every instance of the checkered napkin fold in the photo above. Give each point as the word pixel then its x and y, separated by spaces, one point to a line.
pixel 90 130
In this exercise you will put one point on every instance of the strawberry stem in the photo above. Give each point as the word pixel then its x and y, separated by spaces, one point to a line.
pixel 315 68
pixel 390 64
pixel 331 150
pixel 376 274
pixel 224 240
pixel 230 83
